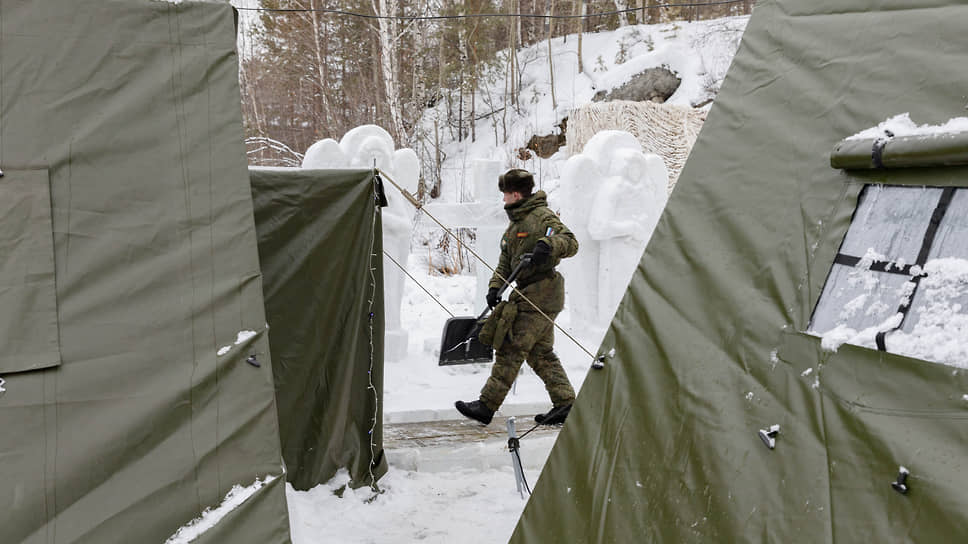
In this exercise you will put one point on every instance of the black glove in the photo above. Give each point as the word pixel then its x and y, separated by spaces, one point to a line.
pixel 541 254
pixel 492 298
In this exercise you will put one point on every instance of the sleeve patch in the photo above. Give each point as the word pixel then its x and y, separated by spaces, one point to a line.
pixel 549 232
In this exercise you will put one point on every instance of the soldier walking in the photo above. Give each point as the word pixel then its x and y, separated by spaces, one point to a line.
pixel 519 331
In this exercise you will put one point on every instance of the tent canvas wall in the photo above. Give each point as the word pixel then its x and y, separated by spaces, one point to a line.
pixel 128 261
pixel 320 247
pixel 662 445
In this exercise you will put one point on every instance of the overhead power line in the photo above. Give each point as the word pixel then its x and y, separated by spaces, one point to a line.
pixel 486 15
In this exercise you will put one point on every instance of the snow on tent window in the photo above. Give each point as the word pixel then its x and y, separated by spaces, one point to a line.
pixel 898 283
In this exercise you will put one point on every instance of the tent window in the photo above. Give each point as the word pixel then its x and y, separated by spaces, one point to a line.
pixel 28 325
pixel 900 281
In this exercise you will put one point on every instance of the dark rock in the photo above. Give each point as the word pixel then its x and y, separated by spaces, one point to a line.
pixel 548 145
pixel 655 84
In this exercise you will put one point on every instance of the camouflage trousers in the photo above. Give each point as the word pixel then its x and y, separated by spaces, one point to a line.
pixel 532 338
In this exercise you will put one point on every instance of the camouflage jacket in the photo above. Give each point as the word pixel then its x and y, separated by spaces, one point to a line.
pixel 531 221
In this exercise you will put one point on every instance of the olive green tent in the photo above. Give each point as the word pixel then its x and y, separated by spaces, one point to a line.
pixel 710 344
pixel 322 259
pixel 131 310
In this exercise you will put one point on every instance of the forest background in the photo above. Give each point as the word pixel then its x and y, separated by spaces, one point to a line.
pixel 314 69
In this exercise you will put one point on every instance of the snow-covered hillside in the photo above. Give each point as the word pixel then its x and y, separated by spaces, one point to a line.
pixel 698 52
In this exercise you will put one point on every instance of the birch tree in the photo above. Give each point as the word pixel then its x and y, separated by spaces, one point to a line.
pixel 388 63
pixel 623 16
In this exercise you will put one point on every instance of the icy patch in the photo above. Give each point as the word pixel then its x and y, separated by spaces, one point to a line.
pixel 241 337
pixel 749 396
pixel 902 125
pixel 211 517
pixel 806 372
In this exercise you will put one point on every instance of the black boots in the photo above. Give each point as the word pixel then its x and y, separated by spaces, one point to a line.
pixel 554 416
pixel 475 410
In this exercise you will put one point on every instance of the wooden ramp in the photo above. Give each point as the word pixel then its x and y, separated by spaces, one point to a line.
pixel 454 445
pixel 431 434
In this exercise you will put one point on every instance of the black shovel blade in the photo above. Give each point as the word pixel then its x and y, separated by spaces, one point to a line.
pixel 457 347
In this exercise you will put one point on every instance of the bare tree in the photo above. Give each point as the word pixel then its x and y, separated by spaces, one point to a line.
pixel 580 9
pixel 623 16
pixel 388 63
pixel 551 64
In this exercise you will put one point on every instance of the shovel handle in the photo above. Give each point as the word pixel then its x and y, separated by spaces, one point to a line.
pixel 525 261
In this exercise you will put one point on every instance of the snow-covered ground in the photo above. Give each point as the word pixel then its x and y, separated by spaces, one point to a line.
pixel 468 494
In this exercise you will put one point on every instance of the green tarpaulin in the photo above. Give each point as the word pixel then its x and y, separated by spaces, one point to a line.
pixel 128 255
pixel 662 445
pixel 321 251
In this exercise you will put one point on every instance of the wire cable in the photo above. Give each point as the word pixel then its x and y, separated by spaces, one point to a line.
pixel 418 283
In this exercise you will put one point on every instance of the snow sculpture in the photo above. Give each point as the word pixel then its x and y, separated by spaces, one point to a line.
pixel 614 194
pixel 365 147
pixel 325 154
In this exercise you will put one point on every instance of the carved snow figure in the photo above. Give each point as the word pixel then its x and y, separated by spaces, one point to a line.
pixel 365 147
pixel 325 154
pixel 616 194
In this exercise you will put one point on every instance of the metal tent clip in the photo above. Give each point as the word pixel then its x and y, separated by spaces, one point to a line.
pixel 900 485
pixel 768 436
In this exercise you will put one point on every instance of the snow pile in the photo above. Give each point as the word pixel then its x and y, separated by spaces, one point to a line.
pixel 941 331
pixel 939 323
pixel 212 516
pixel 469 506
pixel 902 125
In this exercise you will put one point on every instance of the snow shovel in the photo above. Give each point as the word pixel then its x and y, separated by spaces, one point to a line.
pixel 459 344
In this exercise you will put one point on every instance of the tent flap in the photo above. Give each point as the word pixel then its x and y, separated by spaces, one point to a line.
pixel 28 322
pixel 320 245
